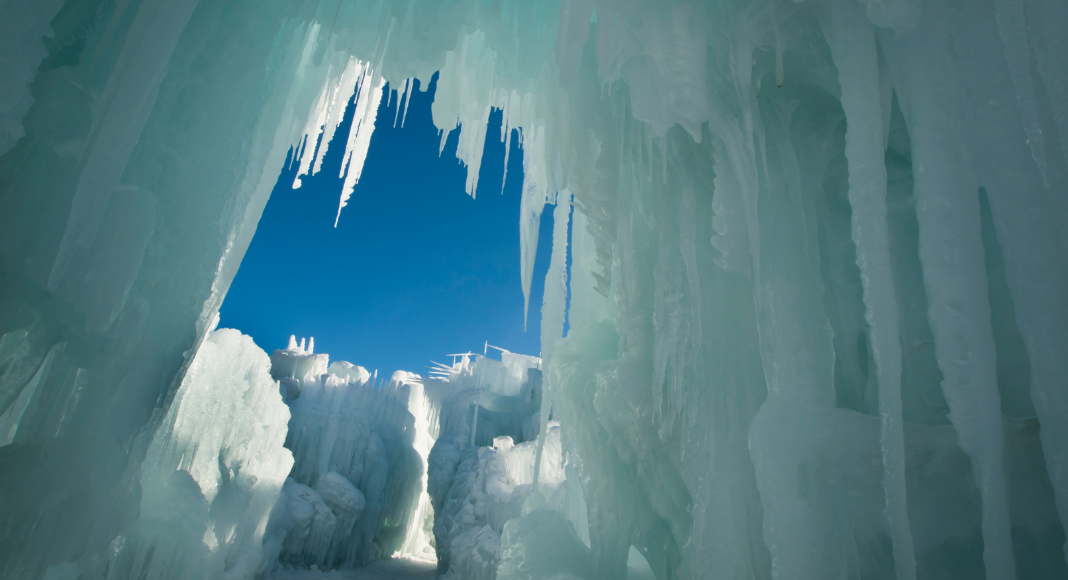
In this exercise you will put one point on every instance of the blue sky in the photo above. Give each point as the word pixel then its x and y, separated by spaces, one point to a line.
pixel 415 268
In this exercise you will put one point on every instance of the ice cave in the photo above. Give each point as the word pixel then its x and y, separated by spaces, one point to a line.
pixel 812 256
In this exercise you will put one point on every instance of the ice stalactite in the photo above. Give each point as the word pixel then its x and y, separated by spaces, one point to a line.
pixel 952 254
pixel 357 82
pixel 554 309
pixel 853 46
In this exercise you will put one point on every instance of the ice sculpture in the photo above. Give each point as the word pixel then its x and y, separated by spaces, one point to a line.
pixel 816 308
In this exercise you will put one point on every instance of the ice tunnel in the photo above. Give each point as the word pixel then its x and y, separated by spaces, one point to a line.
pixel 817 310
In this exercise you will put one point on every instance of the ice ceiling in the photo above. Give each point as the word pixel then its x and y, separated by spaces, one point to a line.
pixel 818 314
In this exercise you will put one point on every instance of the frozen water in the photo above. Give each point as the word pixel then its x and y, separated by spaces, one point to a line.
pixel 213 471
pixel 487 426
pixel 354 489
pixel 816 302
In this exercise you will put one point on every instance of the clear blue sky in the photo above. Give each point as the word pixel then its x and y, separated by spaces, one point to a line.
pixel 415 269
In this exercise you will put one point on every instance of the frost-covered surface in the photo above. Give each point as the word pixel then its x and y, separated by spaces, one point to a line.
pixel 817 315
pixel 355 484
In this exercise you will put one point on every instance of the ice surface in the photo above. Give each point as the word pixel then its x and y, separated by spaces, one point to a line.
pixel 818 252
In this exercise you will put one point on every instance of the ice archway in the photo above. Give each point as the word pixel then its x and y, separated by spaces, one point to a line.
pixel 823 328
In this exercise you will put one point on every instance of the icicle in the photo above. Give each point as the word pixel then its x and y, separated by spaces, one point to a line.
pixel 852 43
pixel 335 109
pixel 400 95
pixel 778 47
pixel 474 422
pixel 529 224
pixel 368 99
pixel 729 219
pixel 663 158
pixel 553 311
pixel 507 151
pixel 951 251
pixel 409 86
pixel 555 295
pixel 444 136
pixel 316 121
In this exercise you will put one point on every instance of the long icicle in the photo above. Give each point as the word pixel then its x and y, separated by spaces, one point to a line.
pixel 852 42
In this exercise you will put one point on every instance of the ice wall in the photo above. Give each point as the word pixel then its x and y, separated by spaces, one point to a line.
pixel 354 488
pixel 817 391
pixel 482 416
pixel 211 476
pixel 477 490
pixel 817 297
pixel 126 204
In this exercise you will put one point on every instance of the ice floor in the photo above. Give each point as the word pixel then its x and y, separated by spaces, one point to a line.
pixel 393 569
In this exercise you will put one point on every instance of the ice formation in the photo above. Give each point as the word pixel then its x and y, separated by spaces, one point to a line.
pixel 355 483
pixel 481 468
pixel 816 310
pixel 212 473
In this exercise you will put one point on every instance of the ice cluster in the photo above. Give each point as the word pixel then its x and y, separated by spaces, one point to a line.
pixel 356 476
pixel 816 306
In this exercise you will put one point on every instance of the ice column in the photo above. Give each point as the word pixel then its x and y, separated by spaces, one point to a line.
pixel 852 43
pixel 554 308
pixel 954 273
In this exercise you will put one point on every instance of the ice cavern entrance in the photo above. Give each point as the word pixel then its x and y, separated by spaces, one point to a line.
pixel 816 319
pixel 362 440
